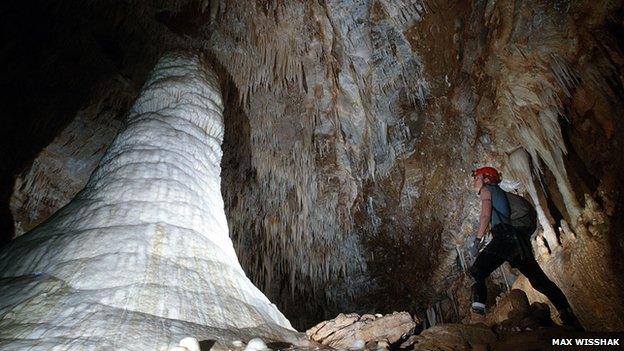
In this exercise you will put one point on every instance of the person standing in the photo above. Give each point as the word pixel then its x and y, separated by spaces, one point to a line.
pixel 509 243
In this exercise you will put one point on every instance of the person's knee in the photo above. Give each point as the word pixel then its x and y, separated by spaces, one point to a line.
pixel 476 273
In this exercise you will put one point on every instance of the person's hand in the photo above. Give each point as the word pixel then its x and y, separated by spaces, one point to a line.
pixel 476 245
pixel 479 243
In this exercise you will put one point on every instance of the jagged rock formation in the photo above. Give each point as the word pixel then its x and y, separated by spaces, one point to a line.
pixel 144 246
pixel 454 337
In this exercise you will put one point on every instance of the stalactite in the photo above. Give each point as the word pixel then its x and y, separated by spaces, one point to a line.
pixel 520 168
pixel 271 67
pixel 267 53
pixel 535 107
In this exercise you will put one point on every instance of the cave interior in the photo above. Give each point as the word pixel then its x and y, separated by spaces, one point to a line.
pixel 349 131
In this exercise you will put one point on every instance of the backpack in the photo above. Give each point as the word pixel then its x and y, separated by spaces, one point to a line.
pixel 522 214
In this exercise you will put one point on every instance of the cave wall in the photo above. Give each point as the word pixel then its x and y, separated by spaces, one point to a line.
pixel 341 116
pixel 355 160
pixel 63 167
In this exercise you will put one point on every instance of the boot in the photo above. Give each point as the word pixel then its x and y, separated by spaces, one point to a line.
pixel 478 308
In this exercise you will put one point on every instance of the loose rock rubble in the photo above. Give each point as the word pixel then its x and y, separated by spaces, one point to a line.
pixel 511 320
pixel 256 344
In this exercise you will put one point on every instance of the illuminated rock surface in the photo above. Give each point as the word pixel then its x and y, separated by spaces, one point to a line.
pixel 344 331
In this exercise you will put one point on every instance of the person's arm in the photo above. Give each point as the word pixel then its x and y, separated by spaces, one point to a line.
pixel 486 212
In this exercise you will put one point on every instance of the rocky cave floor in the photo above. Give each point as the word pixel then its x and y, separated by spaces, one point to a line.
pixel 512 324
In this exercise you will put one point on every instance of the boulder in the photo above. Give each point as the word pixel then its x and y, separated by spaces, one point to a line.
pixel 513 306
pixel 513 313
pixel 350 331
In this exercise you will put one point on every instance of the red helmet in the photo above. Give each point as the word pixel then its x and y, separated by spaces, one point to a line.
pixel 488 173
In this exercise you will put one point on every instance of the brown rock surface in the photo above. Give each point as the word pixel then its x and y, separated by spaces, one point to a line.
pixel 514 305
pixel 346 330
pixel 455 337
pixel 514 313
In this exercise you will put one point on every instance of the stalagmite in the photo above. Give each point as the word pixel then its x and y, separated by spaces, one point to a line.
pixel 141 257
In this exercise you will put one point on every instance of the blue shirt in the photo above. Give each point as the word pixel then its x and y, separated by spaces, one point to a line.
pixel 500 206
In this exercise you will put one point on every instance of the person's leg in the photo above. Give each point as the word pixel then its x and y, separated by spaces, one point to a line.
pixel 540 282
pixel 483 266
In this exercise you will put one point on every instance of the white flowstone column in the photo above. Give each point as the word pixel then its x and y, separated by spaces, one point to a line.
pixel 141 257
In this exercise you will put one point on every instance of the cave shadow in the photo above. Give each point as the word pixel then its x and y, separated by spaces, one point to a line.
pixel 206 345
pixel 48 74
pixel 57 57
pixel 7 229
pixel 278 345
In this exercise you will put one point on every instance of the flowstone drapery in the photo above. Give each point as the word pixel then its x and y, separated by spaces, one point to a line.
pixel 141 257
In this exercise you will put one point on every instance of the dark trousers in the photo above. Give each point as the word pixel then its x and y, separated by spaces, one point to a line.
pixel 488 261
